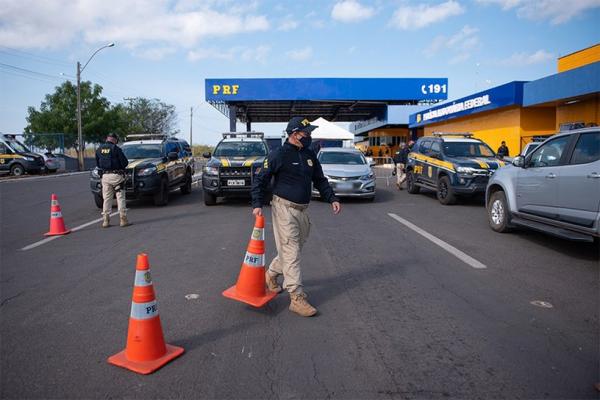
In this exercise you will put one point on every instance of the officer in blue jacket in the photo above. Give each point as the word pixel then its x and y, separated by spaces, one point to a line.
pixel 294 168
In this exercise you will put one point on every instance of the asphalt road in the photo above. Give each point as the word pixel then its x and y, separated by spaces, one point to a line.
pixel 399 317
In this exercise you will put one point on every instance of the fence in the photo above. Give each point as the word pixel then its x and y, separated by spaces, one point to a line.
pixel 384 168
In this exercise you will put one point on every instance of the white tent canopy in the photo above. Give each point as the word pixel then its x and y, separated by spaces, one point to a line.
pixel 329 131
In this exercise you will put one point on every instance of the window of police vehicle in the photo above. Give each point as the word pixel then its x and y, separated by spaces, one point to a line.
pixel 139 151
pixel 240 149
pixel 467 149
pixel 341 158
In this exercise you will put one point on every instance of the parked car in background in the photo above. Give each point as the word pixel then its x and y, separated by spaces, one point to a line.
pixel 16 158
pixel 348 172
pixel 555 189
pixel 51 161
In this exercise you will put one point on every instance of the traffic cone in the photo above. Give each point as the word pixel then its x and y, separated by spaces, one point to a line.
pixel 250 287
pixel 146 350
pixel 57 224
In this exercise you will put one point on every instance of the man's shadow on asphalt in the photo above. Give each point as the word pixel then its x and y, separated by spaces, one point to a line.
pixel 192 342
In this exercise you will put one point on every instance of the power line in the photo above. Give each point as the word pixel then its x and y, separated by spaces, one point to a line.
pixel 20 53
pixel 14 67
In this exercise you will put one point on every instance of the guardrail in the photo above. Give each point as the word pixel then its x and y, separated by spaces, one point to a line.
pixel 384 168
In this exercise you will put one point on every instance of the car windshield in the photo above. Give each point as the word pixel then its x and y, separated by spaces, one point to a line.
pixel 335 157
pixel 467 149
pixel 531 148
pixel 133 151
pixel 240 149
pixel 19 147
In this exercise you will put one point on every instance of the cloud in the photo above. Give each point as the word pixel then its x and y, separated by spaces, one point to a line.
pixel 523 59
pixel 556 11
pixel 300 54
pixel 417 17
pixel 351 11
pixel 288 24
pixel 153 53
pixel 132 24
pixel 459 45
pixel 258 54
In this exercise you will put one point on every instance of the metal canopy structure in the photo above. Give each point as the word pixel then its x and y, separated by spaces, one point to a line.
pixel 335 99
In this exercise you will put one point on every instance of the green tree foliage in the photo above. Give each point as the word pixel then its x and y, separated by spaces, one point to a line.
pixel 150 116
pixel 58 114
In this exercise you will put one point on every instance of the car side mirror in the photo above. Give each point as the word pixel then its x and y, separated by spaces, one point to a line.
pixel 436 156
pixel 172 156
pixel 206 155
pixel 519 162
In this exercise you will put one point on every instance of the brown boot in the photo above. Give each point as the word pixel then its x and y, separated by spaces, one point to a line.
pixel 300 305
pixel 124 221
pixel 105 221
pixel 272 284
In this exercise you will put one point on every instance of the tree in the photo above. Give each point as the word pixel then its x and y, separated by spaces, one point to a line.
pixel 150 116
pixel 58 114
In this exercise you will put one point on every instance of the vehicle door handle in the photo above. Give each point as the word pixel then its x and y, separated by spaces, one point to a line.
pixel 594 175
pixel 551 176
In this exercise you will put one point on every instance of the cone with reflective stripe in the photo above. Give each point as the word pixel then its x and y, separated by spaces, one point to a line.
pixel 146 350
pixel 251 286
pixel 57 224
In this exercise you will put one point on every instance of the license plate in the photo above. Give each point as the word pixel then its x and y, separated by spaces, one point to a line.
pixel 236 182
pixel 344 185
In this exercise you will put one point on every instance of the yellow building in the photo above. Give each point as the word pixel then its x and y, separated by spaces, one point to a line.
pixel 519 111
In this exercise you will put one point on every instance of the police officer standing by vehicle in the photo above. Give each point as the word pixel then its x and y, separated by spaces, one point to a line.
pixel 112 163
pixel 294 168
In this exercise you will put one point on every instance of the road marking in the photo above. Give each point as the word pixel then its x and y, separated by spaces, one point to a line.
pixel 51 238
pixel 28 178
pixel 449 248
pixel 542 304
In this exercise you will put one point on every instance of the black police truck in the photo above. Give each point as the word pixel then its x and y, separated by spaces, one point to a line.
pixel 157 165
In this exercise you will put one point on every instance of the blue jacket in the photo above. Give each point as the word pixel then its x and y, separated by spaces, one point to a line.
pixel 295 170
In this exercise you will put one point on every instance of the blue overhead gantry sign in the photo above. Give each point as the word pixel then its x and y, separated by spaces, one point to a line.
pixel 335 99
pixel 314 89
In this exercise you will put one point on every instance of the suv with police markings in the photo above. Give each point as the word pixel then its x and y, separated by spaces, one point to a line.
pixel 157 165
pixel 452 164
pixel 230 170
pixel 18 159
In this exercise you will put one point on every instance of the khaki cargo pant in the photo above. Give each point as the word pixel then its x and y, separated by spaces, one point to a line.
pixel 109 181
pixel 291 227
pixel 400 174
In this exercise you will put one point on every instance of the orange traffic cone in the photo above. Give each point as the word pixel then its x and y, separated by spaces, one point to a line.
pixel 250 287
pixel 146 350
pixel 57 224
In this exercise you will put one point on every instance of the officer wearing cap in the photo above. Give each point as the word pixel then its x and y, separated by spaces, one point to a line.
pixel 111 163
pixel 295 169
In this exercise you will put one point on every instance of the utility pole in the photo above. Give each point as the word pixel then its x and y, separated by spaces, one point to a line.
pixel 191 122
pixel 79 133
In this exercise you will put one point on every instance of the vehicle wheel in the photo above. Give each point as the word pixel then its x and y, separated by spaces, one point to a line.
pixel 98 200
pixel 187 186
pixel 210 199
pixel 17 170
pixel 445 193
pixel 411 187
pixel 162 197
pixel 498 212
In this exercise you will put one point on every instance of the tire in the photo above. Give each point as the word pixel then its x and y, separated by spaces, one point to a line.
pixel 209 199
pixel 187 186
pixel 162 197
pixel 445 193
pixel 411 186
pixel 498 212
pixel 98 200
pixel 17 170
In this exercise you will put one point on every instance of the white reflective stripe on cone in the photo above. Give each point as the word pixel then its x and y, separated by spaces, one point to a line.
pixel 254 260
pixel 258 234
pixel 56 214
pixel 142 278
pixel 144 310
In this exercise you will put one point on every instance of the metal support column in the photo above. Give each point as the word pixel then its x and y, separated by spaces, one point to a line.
pixel 232 118
pixel 248 125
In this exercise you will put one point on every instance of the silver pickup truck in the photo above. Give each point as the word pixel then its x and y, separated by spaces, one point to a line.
pixel 555 189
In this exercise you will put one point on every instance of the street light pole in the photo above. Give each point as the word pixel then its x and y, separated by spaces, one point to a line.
pixel 80 69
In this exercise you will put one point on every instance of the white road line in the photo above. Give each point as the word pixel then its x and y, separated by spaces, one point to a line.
pixel 449 248
pixel 38 178
pixel 51 238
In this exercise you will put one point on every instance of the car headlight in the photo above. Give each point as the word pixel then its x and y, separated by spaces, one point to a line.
pixel 211 170
pixel 29 158
pixel 96 173
pixel 370 175
pixel 146 171
pixel 465 170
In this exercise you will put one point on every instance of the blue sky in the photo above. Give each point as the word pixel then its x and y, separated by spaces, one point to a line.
pixel 166 48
